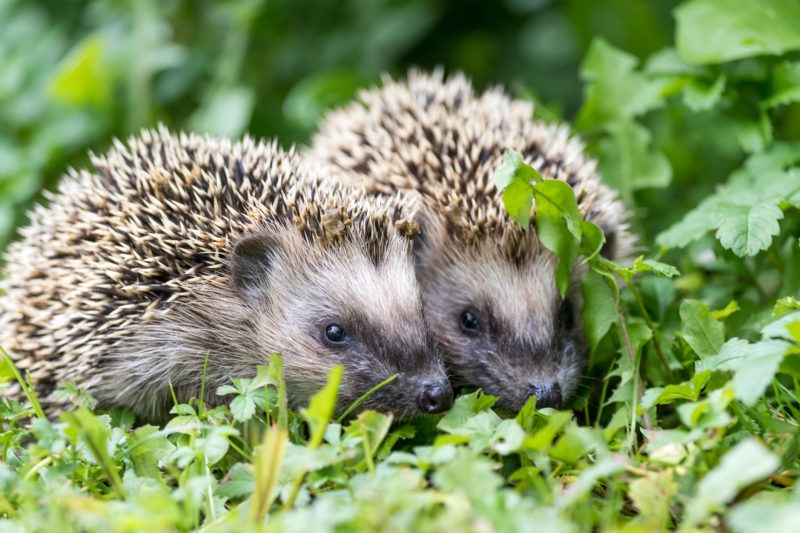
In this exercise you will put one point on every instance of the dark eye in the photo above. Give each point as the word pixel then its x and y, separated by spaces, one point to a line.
pixel 336 334
pixel 469 323
pixel 566 314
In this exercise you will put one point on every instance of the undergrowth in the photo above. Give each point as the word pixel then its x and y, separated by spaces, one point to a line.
pixel 687 418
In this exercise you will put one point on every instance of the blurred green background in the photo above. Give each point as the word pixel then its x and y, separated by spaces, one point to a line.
pixel 74 74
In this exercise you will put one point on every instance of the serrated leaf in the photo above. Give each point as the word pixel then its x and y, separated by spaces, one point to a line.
pixel 699 95
pixel 745 229
pixel 615 90
pixel 785 85
pixel 703 333
pixel 715 31
pixel 745 463
pixel 694 225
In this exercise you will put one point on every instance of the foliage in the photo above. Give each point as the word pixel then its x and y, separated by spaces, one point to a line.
pixel 688 417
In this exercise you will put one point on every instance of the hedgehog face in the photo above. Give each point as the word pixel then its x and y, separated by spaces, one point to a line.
pixel 342 303
pixel 501 322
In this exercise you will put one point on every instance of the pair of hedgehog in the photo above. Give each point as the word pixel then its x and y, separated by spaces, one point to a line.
pixel 383 247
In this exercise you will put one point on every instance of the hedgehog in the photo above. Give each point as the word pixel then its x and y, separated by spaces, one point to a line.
pixel 182 261
pixel 488 286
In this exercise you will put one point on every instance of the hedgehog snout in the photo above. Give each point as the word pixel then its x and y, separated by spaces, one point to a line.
pixel 435 396
pixel 548 393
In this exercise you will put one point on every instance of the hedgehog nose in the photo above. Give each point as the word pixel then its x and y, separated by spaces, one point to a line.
pixel 547 394
pixel 435 396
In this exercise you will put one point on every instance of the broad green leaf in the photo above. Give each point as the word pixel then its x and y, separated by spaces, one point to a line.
pixel 518 200
pixel 628 161
pixel 708 413
pixel 754 365
pixel 715 31
pixel 464 408
pixel 592 240
pixel 512 169
pixel 767 511
pixel 516 179
pixel 747 230
pixel 599 310
pixel 558 225
pixel 688 390
pixel 703 333
pixel 694 225
pixel 745 463
pixel 616 90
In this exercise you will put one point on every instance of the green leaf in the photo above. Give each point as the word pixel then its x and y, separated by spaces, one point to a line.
pixel 754 365
pixel 703 333
pixel 785 85
pixel 715 31
pixel 615 90
pixel 767 511
pixel 515 179
pixel 747 229
pixel 702 96
pixel 653 495
pixel 747 462
pixel 628 163
pixel 83 76
pixel 599 310
pixel 322 406
pixel 464 408
pixel 558 225
pixel 688 390
pixel 518 199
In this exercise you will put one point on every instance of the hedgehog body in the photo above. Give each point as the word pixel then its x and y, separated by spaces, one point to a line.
pixel 178 249
pixel 488 286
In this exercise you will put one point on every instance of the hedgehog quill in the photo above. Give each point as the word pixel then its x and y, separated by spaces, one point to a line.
pixel 488 285
pixel 180 247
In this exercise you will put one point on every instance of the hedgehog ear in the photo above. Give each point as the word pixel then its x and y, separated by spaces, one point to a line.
pixel 251 262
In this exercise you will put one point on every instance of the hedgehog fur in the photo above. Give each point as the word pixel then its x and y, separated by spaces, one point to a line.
pixel 179 248
pixel 488 285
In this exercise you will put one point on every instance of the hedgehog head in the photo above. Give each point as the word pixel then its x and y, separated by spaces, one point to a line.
pixel 348 295
pixel 498 316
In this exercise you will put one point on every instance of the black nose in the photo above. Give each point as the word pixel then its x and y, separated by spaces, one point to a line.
pixel 547 394
pixel 435 396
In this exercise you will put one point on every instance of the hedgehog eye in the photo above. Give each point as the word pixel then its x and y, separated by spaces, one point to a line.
pixel 469 323
pixel 336 334
pixel 566 314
